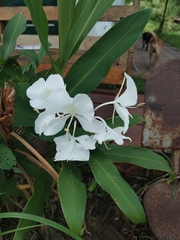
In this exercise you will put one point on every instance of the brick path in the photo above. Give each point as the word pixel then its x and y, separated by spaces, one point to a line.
pixel 141 58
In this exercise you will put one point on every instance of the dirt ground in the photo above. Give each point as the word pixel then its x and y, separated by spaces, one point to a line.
pixel 103 219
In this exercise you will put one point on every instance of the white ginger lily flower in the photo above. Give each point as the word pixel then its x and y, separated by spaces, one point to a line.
pixel 41 89
pixel 127 99
pixel 73 148
pixel 109 134
pixel 60 107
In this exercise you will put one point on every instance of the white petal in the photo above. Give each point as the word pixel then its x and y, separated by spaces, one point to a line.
pixel 41 89
pixel 38 102
pixel 55 82
pixel 41 121
pixel 123 114
pixel 35 88
pixel 54 126
pixel 69 149
pixel 49 124
pixel 83 106
pixel 94 127
pixel 34 93
pixel 101 136
pixel 59 102
pixel 116 135
pixel 119 139
pixel 129 97
pixel 87 142
pixel 110 134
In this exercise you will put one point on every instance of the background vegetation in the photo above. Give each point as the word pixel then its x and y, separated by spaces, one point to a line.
pixel 171 30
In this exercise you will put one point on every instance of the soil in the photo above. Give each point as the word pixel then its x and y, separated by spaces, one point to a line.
pixel 103 219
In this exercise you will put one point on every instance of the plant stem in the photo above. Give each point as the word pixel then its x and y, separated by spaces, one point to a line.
pixel 47 166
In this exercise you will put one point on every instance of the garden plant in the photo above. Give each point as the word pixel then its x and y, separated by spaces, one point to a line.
pixel 56 109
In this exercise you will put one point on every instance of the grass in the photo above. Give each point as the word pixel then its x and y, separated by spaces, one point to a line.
pixel 140 83
pixel 171 31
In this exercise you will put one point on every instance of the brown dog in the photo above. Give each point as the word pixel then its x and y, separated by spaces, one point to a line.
pixel 146 37
pixel 155 47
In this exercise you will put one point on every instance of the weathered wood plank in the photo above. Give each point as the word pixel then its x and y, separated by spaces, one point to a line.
pixel 113 14
pixel 7 13
pixel 26 39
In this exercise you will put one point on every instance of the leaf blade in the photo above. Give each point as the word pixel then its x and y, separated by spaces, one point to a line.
pixel 138 156
pixel 111 181
pixel 14 28
pixel 72 196
pixel 93 66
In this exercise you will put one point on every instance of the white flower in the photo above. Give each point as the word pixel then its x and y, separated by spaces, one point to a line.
pixel 127 99
pixel 73 148
pixel 41 89
pixel 60 107
pixel 109 134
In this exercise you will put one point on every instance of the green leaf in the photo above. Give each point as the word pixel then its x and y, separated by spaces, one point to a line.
pixel 29 166
pixel 138 156
pixel 14 28
pixel 93 66
pixel 7 158
pixel 24 114
pixel 65 13
pixel 43 220
pixel 86 14
pixel 42 189
pixel 30 53
pixel 134 120
pixel 21 88
pixel 108 177
pixel 12 69
pixel 40 21
pixel 8 187
pixel 72 194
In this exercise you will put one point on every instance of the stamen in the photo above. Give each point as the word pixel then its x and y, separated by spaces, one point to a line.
pixel 122 85
pixel 106 146
pixel 104 104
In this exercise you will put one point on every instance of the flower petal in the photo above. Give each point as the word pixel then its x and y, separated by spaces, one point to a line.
pixel 87 142
pixel 55 82
pixel 83 106
pixel 69 149
pixel 41 89
pixel 59 102
pixel 123 114
pixel 49 124
pixel 110 134
pixel 41 121
pixel 54 126
pixel 94 127
pixel 129 97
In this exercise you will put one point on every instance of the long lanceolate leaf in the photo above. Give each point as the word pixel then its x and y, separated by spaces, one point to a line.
pixel 40 21
pixel 42 220
pixel 72 196
pixel 86 15
pixel 89 70
pixel 108 177
pixel 75 22
pixel 65 13
pixel 14 28
pixel 138 156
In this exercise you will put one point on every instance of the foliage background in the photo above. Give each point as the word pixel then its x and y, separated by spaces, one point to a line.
pixel 171 30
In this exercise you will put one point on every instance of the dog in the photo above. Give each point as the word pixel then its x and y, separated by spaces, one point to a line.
pixel 156 45
pixel 146 37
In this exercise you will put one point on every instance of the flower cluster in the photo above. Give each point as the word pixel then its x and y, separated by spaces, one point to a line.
pixel 59 111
